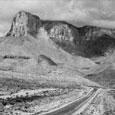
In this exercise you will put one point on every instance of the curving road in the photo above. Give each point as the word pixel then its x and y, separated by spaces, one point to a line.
pixel 73 107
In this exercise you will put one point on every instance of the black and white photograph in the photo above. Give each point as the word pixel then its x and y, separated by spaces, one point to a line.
pixel 57 57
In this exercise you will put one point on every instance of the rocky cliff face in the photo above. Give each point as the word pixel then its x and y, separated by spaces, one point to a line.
pixel 60 30
pixel 63 34
pixel 70 38
pixel 93 32
pixel 24 23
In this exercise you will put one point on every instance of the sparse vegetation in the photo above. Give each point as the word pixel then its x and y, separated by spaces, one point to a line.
pixel 105 78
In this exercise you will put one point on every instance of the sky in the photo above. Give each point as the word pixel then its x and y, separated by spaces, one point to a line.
pixel 77 12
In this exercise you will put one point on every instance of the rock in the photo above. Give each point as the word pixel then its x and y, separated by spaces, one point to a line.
pixel 100 46
pixel 63 34
pixel 24 23
pixel 44 61
pixel 60 30
pixel 75 40
pixel 93 32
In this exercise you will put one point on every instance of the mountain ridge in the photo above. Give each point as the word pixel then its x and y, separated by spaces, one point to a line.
pixel 70 38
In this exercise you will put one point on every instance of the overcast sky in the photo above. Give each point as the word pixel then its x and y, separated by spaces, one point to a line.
pixel 78 12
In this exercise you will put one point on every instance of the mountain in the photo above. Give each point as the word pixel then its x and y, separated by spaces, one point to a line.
pixel 84 41
pixel 80 41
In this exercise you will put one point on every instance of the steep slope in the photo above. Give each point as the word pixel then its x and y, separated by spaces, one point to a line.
pixel 100 46
pixel 84 41
pixel 93 32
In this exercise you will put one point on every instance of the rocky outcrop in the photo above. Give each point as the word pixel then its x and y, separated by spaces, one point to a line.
pixel 45 61
pixel 93 32
pixel 60 30
pixel 24 23
pixel 63 34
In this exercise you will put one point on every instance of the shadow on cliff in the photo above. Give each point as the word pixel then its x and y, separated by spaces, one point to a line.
pixel 101 46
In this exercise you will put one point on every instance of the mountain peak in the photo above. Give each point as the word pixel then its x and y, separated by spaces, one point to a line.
pixel 24 23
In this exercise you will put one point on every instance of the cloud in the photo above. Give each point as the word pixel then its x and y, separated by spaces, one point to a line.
pixel 78 12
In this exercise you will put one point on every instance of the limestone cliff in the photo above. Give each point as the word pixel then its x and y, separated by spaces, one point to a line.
pixel 24 23
pixel 93 32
